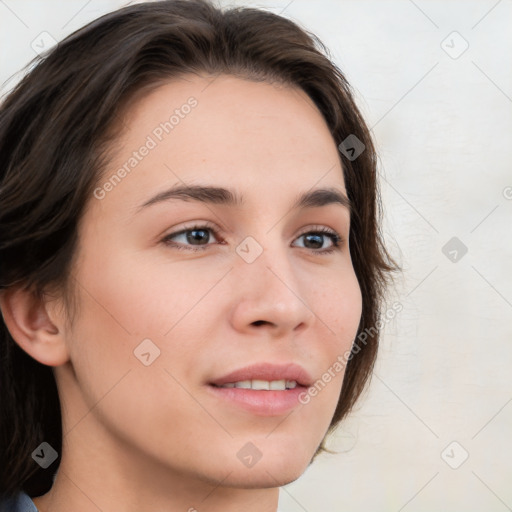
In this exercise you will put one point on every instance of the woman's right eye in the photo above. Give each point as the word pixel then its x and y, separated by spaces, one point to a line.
pixel 189 237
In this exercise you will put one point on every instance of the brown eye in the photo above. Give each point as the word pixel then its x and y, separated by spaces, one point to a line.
pixel 194 238
pixel 315 239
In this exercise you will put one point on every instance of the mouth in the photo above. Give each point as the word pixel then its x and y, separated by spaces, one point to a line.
pixel 263 389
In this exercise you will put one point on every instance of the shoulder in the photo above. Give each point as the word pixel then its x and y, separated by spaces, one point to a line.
pixel 19 503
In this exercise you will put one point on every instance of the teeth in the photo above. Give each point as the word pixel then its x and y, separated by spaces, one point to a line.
pixel 277 385
pixel 261 384
pixel 246 384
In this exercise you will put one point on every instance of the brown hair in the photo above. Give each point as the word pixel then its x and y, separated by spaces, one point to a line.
pixel 55 127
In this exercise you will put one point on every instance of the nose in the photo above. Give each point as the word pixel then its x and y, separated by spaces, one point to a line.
pixel 271 294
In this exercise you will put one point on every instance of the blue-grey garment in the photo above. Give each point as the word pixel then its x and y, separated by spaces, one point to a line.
pixel 20 503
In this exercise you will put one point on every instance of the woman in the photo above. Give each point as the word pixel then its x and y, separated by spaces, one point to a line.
pixel 191 263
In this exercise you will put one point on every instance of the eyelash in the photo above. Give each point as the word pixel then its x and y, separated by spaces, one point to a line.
pixel 336 238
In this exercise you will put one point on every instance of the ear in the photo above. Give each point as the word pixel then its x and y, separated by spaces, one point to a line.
pixel 37 325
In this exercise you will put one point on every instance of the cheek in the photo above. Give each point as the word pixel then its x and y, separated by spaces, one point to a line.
pixel 340 309
pixel 125 301
pixel 132 295
pixel 126 395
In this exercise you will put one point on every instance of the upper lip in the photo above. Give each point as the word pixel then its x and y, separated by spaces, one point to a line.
pixel 268 371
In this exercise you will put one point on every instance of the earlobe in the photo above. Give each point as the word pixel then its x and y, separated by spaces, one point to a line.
pixel 29 320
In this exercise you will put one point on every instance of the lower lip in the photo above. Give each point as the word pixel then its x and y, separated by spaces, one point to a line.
pixel 260 402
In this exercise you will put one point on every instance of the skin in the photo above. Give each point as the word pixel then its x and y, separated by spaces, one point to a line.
pixel 152 437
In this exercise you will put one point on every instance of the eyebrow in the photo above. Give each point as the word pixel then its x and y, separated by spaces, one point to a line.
pixel 223 196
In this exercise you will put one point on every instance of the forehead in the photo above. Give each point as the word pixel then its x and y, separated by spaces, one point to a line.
pixel 257 137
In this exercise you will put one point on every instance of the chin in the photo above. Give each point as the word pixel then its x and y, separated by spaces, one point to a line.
pixel 262 479
pixel 272 471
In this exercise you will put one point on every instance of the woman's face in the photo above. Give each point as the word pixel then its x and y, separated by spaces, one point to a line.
pixel 163 315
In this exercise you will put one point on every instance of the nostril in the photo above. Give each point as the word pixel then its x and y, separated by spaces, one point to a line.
pixel 259 322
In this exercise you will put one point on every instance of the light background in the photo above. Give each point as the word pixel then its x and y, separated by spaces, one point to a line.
pixel 443 125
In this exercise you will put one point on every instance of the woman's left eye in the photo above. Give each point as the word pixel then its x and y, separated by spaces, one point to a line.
pixel 317 237
pixel 199 236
